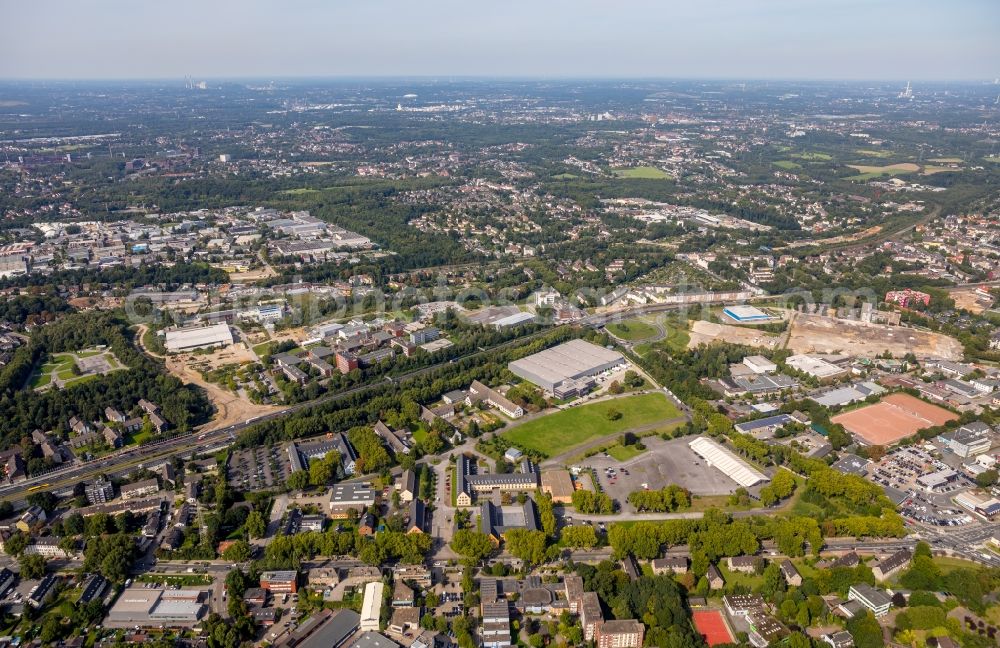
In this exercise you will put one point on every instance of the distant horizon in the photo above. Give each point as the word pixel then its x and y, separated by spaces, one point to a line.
pixel 448 78
pixel 857 40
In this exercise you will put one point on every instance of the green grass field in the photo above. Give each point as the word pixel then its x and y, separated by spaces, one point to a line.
pixel 176 579
pixel 676 340
pixel 76 380
pixel 867 172
pixel 561 431
pixel 565 176
pixel 787 165
pixel 301 191
pixel 948 564
pixel 750 581
pixel 632 330
pixel 813 156
pixel 642 173
pixel 624 453
pixel 931 170
pixel 875 154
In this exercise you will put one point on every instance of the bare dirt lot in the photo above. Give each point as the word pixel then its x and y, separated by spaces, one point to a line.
pixel 703 332
pixel 229 407
pixel 820 334
pixel 253 275
pixel 968 299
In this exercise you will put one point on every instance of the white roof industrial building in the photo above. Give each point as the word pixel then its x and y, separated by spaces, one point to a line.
pixel 371 607
pixel 738 470
pixel 198 337
pixel 149 607
pixel 814 366
pixel 569 361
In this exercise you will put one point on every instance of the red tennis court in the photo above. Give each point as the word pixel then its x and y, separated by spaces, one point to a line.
pixel 712 626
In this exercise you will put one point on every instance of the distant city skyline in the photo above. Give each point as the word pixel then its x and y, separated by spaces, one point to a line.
pixel 917 40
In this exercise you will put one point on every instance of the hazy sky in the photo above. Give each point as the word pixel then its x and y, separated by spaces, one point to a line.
pixel 842 39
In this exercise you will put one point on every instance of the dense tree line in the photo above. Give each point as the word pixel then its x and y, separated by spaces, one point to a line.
pixel 32 309
pixel 668 499
pixel 22 410
pixel 656 601
pixel 123 278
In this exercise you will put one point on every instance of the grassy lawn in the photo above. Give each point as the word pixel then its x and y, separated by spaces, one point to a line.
pixel 675 341
pixel 632 330
pixel 451 473
pixel 40 379
pixel 263 348
pixel 948 564
pixel 564 176
pixel 561 431
pixel 80 379
pixel 301 191
pixel 931 170
pixel 643 349
pixel 867 172
pixel 751 581
pixel 705 502
pixel 813 156
pixel 138 438
pixel 176 579
pixel 624 453
pixel 642 173
pixel 677 338
pixel 787 165
pixel 874 153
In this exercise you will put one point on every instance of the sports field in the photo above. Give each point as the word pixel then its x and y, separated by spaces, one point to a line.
pixel 892 419
pixel 559 432
pixel 712 626
pixel 642 173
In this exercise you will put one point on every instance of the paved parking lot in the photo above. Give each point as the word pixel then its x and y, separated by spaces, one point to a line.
pixel 663 463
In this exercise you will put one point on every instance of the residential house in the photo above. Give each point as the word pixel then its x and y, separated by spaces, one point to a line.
pixel 892 564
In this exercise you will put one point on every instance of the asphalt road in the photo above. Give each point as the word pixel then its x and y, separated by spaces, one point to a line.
pixel 197 442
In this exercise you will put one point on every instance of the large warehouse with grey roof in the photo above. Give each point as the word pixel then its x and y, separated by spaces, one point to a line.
pixel 567 369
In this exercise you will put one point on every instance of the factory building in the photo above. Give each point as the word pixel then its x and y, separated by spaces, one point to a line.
pixel 567 369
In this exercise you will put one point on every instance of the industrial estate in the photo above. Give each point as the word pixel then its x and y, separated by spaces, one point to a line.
pixel 432 363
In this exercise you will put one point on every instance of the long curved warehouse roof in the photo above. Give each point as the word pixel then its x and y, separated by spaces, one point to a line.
pixel 738 470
